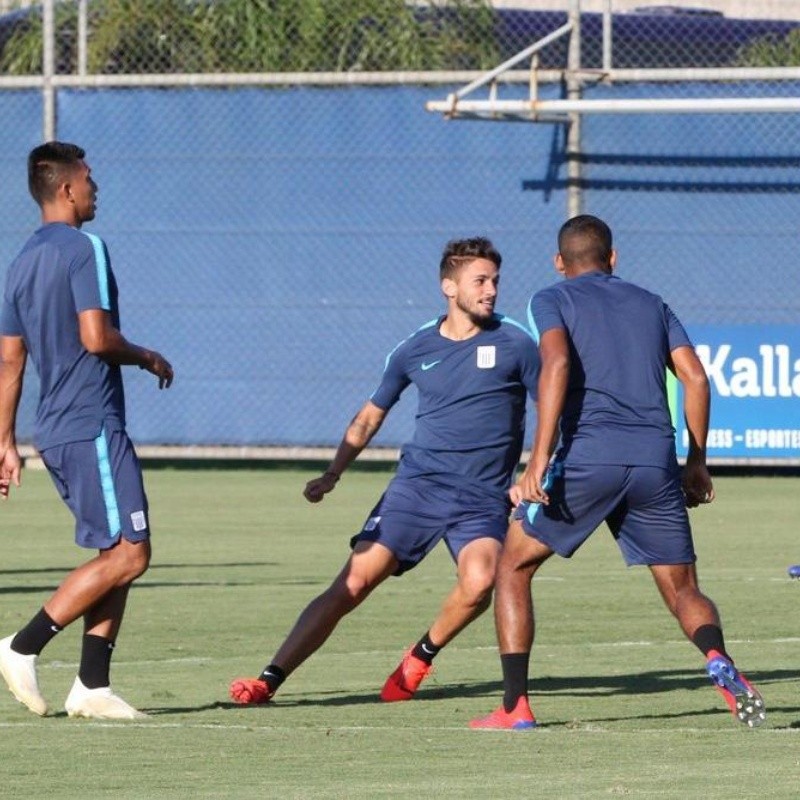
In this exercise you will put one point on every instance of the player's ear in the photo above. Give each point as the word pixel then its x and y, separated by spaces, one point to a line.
pixel 559 262
pixel 64 190
pixel 612 262
pixel 449 288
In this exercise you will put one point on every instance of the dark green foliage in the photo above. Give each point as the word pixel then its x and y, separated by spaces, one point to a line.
pixel 772 51
pixel 185 36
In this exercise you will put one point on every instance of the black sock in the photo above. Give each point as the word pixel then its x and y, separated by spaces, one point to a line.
pixel 273 676
pixel 35 635
pixel 95 661
pixel 425 650
pixel 515 678
pixel 709 637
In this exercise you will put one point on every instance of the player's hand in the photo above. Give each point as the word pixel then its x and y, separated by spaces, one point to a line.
pixel 10 468
pixel 530 486
pixel 317 489
pixel 160 367
pixel 697 485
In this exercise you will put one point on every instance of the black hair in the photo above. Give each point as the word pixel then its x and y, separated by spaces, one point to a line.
pixel 48 164
pixel 459 252
pixel 585 241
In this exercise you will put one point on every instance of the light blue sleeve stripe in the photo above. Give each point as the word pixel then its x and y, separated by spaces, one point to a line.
pixel 399 344
pixel 511 321
pixel 102 269
pixel 556 469
pixel 107 485
pixel 532 325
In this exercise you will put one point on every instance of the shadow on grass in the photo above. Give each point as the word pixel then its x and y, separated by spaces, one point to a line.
pixel 153 567
pixel 138 586
pixel 577 686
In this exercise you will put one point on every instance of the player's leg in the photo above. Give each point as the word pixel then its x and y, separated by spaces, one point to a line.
pixel 700 622
pixel 91 694
pixel 580 498
pixel 84 587
pixel 469 598
pixel 367 567
pixel 88 585
pixel 115 568
pixel 101 483
pixel 677 584
pixel 521 557
pixel 654 530
pixel 472 593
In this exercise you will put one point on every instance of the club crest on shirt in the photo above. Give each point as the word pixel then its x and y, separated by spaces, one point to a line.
pixel 486 356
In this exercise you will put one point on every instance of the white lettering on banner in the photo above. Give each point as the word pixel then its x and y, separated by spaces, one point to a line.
pixel 751 438
pixel 774 374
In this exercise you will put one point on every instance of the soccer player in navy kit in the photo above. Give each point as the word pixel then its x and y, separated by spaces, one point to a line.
pixel 605 346
pixel 60 307
pixel 473 370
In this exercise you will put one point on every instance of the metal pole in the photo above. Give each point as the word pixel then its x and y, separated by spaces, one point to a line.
pixel 48 70
pixel 574 194
pixel 529 109
pixel 83 27
pixel 607 42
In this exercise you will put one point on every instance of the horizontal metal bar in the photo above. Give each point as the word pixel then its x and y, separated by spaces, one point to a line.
pixel 695 74
pixel 395 78
pixel 21 82
pixel 694 105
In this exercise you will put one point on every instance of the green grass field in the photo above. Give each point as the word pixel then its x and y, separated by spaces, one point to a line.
pixel 625 707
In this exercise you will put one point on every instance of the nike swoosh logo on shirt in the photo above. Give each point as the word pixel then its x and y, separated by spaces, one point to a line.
pixel 425 367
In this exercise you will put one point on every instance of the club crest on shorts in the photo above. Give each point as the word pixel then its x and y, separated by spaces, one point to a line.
pixel 486 356
pixel 139 520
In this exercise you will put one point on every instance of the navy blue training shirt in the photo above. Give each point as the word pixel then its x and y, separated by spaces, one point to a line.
pixel 60 272
pixel 620 338
pixel 470 419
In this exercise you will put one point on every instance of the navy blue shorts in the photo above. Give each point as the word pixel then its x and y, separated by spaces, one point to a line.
pixel 101 483
pixel 643 506
pixel 414 514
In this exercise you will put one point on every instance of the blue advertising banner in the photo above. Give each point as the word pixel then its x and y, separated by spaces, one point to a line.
pixel 754 372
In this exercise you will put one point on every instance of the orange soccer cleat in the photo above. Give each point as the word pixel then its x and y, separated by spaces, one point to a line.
pixel 250 691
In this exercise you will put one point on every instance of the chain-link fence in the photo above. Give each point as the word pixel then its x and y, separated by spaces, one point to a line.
pixel 275 196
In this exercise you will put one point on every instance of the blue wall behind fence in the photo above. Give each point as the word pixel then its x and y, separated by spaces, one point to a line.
pixel 276 244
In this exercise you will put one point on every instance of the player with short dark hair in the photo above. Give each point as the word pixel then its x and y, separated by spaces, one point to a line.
pixel 60 307
pixel 473 369
pixel 606 345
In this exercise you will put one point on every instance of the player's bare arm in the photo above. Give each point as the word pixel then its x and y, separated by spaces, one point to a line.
pixel 697 485
pixel 13 356
pixel 554 352
pixel 358 435
pixel 101 338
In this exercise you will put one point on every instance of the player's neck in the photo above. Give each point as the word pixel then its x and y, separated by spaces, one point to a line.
pixel 459 327
pixel 57 212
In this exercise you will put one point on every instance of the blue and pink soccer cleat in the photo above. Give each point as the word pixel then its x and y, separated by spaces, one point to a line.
pixel 744 701
pixel 520 719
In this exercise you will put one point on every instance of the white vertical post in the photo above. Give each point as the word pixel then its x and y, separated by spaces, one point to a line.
pixel 83 28
pixel 608 50
pixel 48 70
pixel 574 196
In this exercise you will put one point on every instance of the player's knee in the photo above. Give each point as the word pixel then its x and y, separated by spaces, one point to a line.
pixel 477 586
pixel 347 594
pixel 132 561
